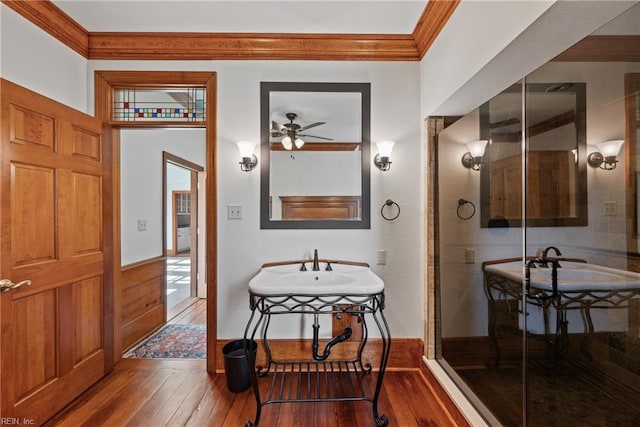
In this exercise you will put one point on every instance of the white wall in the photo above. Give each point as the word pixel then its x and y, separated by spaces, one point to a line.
pixel 296 174
pixel 141 167
pixel 506 41
pixel 243 247
pixel 35 60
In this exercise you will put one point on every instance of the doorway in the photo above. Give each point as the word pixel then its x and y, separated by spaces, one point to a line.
pixel 180 232
pixel 106 85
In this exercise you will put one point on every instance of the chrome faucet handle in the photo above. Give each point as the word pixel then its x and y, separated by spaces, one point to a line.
pixel 328 267
pixel 303 267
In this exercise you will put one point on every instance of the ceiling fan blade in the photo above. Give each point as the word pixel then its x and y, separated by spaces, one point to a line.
pixel 317 137
pixel 276 126
pixel 312 125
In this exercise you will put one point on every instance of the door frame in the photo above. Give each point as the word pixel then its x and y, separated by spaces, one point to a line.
pixel 195 251
pixel 104 84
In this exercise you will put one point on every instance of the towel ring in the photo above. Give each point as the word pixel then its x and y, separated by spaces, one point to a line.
pixel 389 202
pixel 461 203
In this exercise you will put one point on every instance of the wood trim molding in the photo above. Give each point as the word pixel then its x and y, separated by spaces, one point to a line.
pixel 104 81
pixel 603 49
pixel 48 17
pixel 321 146
pixel 405 353
pixel 433 19
pixel 247 46
pixel 238 46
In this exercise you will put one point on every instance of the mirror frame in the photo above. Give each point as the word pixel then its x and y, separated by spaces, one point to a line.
pixel 364 89
pixel 632 174
pixel 581 218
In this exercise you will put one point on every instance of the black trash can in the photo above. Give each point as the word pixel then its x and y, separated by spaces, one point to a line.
pixel 236 366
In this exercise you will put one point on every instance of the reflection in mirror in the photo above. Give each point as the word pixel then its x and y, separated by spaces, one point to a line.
pixel 314 155
pixel 632 134
pixel 556 156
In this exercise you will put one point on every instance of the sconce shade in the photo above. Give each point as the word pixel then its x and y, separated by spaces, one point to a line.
pixel 476 148
pixel 473 158
pixel 245 148
pixel 299 142
pixel 287 143
pixel 249 160
pixel 606 157
pixel 610 148
pixel 385 148
pixel 381 159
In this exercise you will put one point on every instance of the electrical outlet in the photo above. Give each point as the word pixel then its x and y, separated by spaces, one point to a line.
pixel 382 257
pixel 609 208
pixel 142 225
pixel 234 211
pixel 469 256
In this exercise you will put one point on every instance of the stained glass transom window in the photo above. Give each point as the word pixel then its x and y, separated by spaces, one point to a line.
pixel 160 105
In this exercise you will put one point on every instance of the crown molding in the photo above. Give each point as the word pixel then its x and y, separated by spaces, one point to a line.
pixel 238 46
pixel 246 46
pixel 433 19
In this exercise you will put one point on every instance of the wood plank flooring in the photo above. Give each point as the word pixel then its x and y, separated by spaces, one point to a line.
pixel 153 393
pixel 140 393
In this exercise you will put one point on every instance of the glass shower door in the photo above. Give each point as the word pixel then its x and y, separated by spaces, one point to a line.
pixel 581 302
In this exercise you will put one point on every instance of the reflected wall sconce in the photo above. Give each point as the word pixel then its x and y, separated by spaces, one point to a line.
pixel 606 157
pixel 381 160
pixel 473 158
pixel 249 160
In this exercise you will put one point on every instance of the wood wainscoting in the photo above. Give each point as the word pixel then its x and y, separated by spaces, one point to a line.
pixel 405 354
pixel 143 301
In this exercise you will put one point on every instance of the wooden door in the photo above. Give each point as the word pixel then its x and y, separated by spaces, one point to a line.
pixel 55 175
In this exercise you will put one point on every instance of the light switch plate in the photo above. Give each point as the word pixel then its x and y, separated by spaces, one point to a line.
pixel 142 225
pixel 609 208
pixel 234 211
pixel 382 257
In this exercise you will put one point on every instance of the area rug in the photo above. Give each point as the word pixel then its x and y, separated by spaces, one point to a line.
pixel 173 342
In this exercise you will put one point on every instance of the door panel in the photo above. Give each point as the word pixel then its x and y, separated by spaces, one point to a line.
pixel 33 233
pixel 53 184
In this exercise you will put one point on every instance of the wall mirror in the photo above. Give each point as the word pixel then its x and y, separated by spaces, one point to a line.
pixel 315 142
pixel 555 117
pixel 632 136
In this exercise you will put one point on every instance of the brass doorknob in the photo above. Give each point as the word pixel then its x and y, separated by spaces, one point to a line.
pixel 6 284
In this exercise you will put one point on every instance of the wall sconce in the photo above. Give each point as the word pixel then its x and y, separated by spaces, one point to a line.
pixel 473 158
pixel 381 160
pixel 249 160
pixel 606 157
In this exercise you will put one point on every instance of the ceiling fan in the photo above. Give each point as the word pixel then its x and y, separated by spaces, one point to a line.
pixel 291 132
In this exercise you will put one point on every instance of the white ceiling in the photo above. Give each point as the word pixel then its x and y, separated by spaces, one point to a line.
pixel 243 16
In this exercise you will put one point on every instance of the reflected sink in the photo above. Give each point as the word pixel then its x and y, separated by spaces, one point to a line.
pixel 572 276
pixel 289 280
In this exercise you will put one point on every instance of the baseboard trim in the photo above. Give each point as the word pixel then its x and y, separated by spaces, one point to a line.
pixel 405 353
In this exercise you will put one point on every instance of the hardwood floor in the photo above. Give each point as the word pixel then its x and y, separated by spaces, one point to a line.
pixel 143 392
pixel 194 314
pixel 180 393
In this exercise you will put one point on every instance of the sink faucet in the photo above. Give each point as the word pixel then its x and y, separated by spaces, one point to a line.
pixel 316 264
pixel 544 261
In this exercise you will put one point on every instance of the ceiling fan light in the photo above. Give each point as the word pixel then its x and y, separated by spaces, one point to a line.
pixel 287 143
pixel 299 142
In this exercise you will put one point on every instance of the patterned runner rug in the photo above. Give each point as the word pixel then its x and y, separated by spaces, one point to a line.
pixel 173 342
